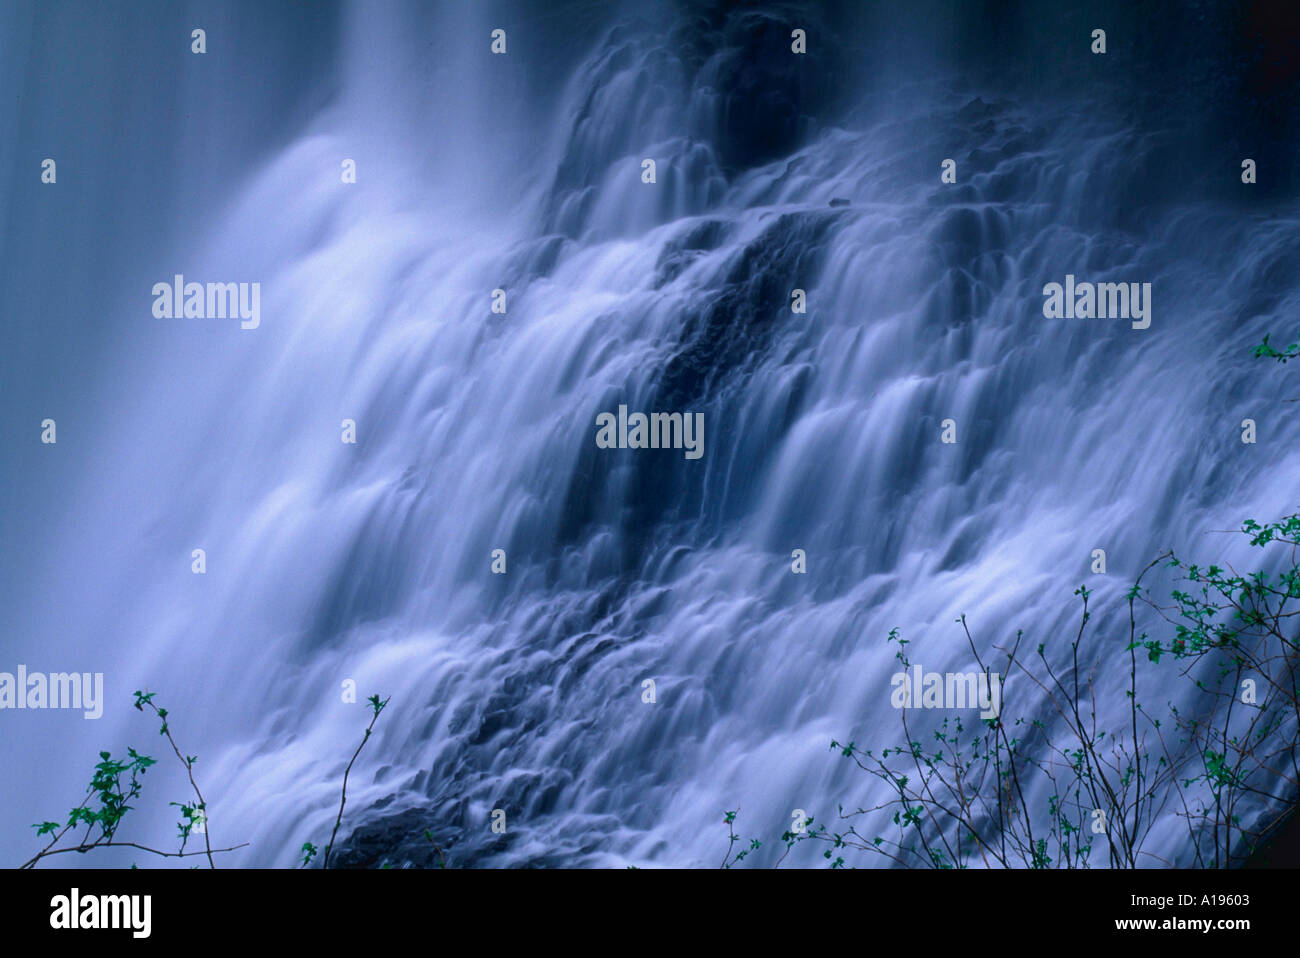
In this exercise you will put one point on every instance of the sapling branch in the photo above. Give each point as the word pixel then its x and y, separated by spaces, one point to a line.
pixel 376 707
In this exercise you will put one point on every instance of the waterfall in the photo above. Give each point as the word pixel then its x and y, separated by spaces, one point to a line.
pixel 329 562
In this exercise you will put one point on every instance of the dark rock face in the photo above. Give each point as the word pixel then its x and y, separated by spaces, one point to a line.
pixel 766 98
pixel 397 841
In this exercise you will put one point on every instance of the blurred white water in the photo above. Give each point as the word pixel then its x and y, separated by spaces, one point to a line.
pixel 476 432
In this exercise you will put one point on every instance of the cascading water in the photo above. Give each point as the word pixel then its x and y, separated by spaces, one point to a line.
pixel 476 430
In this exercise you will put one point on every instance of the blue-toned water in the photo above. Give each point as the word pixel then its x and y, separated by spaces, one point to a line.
pixel 476 430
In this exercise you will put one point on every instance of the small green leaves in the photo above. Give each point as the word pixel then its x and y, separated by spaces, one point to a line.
pixel 114 784
pixel 192 817
pixel 1267 351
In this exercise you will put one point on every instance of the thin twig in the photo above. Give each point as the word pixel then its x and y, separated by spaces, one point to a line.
pixel 378 707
